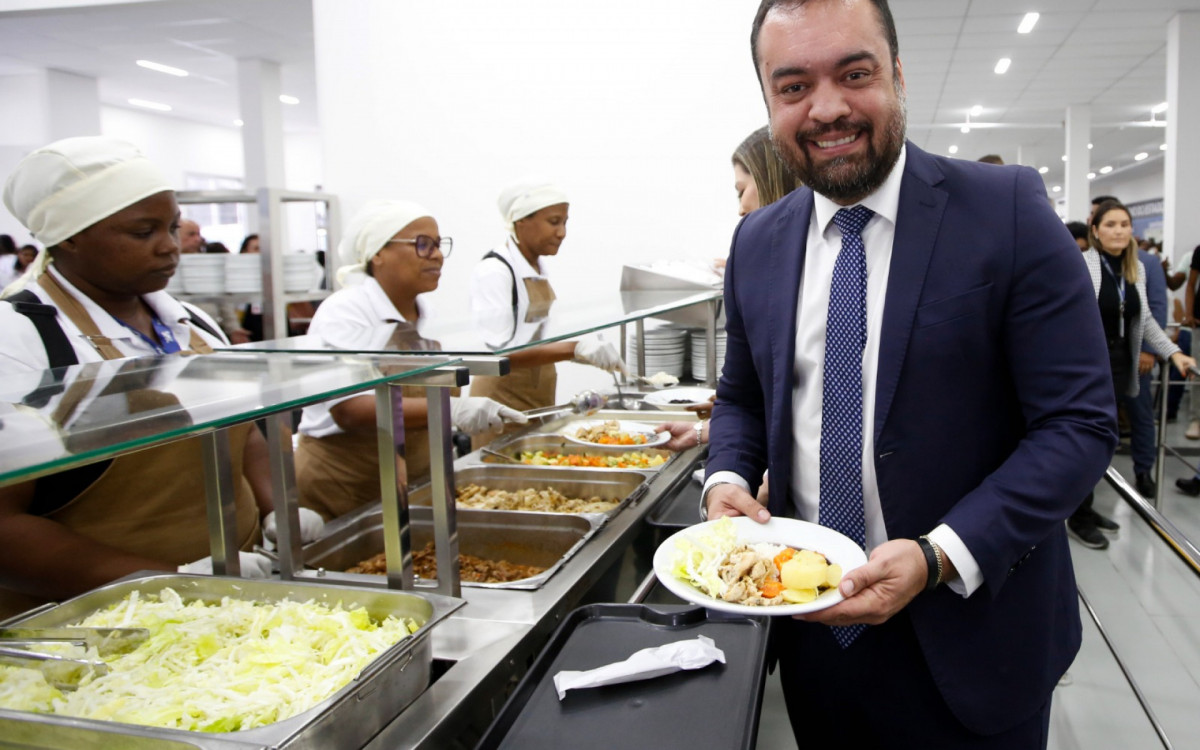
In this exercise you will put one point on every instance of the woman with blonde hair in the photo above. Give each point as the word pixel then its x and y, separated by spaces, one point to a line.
pixel 760 178
pixel 1119 280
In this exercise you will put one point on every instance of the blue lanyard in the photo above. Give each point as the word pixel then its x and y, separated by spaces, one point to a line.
pixel 1120 284
pixel 168 346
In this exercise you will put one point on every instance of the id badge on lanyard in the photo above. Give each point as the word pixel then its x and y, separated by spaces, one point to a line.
pixel 169 343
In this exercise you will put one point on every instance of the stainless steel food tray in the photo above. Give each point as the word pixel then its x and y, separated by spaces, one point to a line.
pixel 514 446
pixel 546 540
pixel 348 718
pixel 626 485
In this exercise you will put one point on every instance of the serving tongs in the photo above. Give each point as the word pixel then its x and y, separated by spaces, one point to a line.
pixel 585 402
pixel 61 672
pixel 106 641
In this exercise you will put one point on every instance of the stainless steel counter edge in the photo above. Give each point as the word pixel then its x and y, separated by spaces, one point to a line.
pixel 493 639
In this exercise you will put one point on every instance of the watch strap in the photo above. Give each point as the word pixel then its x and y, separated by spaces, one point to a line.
pixel 933 560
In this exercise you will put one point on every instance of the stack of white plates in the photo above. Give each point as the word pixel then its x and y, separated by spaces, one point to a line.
pixel 299 272
pixel 700 353
pixel 202 273
pixel 243 274
pixel 666 350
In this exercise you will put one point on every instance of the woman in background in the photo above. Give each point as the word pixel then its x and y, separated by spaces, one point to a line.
pixel 1119 280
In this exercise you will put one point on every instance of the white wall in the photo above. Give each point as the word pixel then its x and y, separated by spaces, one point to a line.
pixel 634 108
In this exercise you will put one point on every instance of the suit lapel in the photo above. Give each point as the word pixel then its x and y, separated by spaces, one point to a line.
pixel 917 223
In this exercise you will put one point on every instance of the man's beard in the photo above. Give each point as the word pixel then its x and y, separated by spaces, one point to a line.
pixel 847 180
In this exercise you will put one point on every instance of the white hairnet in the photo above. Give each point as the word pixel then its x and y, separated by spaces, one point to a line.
pixel 520 200
pixel 67 186
pixel 369 231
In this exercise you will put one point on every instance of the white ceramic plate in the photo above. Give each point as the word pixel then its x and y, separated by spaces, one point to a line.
pixel 836 547
pixel 680 397
pixel 652 439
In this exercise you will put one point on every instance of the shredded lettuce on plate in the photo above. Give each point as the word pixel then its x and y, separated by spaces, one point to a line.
pixel 215 667
pixel 697 557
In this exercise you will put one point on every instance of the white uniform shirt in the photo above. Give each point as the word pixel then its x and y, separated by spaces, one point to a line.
pixel 22 350
pixel 823 244
pixel 491 298
pixel 342 315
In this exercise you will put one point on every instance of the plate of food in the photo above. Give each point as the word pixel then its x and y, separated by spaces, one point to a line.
pixel 782 567
pixel 612 432
pixel 679 398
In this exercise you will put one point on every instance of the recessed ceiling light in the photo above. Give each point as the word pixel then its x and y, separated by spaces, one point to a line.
pixel 1140 156
pixel 1043 170
pixel 1162 147
pixel 1158 109
pixel 238 123
pixel 977 110
pixel 1105 169
pixel 953 149
pixel 1064 157
pixel 1090 146
pixel 1002 65
pixel 157 107
pixel 159 67
pixel 286 99
pixel 965 129
pixel 1057 188
pixel 1028 22
pixel 1091 175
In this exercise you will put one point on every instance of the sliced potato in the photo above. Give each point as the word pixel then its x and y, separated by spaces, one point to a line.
pixel 799 596
pixel 803 572
pixel 833 575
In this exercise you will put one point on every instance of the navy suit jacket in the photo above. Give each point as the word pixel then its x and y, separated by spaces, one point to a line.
pixel 994 410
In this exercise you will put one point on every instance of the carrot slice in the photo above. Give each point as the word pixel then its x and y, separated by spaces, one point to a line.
pixel 783 557
pixel 771 588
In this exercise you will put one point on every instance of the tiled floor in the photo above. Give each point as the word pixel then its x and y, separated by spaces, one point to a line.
pixel 1148 602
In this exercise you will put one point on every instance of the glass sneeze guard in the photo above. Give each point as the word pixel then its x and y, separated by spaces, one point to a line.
pixel 59 419
pixel 455 334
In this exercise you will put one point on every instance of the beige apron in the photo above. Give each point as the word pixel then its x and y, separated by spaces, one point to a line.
pixel 152 502
pixel 337 473
pixel 526 388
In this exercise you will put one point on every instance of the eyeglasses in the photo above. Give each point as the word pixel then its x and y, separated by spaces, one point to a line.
pixel 425 245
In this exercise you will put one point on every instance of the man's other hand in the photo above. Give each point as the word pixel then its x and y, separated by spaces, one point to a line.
pixel 731 500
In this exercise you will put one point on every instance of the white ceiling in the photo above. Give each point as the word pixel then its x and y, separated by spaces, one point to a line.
pixel 1109 54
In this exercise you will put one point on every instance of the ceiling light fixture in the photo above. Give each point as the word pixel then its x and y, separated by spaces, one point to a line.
pixel 1090 146
pixel 1162 147
pixel 1002 65
pixel 238 123
pixel 977 110
pixel 1043 170
pixel 159 67
pixel 965 129
pixel 1064 157
pixel 1091 175
pixel 1158 109
pixel 1058 188
pixel 953 149
pixel 1028 22
pixel 1105 169
pixel 286 99
pixel 157 107
pixel 1141 156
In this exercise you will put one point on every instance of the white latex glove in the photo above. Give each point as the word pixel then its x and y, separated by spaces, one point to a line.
pixel 476 414
pixel 311 526
pixel 254 565
pixel 597 352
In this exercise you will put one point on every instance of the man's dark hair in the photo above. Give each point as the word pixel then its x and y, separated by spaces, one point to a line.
pixel 881 7
pixel 1077 229
pixel 1102 199
pixel 991 159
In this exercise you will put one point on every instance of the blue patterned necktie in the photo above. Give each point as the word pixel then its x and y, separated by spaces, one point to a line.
pixel 841 506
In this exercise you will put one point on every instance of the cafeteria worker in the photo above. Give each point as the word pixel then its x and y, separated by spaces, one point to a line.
pixel 511 298
pixel 109 222
pixel 398 253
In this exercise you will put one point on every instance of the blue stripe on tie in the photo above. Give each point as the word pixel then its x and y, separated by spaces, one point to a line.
pixel 841 505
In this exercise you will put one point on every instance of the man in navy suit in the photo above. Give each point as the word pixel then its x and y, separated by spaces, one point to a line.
pixel 970 406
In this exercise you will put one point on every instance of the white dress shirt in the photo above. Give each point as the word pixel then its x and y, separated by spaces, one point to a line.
pixel 823 244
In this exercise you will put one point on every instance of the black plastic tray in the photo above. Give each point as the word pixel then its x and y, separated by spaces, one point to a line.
pixel 716 706
pixel 679 509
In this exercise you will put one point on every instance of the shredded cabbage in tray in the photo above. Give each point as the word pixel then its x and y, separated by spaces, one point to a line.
pixel 215 668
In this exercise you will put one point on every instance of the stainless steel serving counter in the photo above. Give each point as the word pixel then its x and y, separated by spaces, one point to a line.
pixel 489 644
